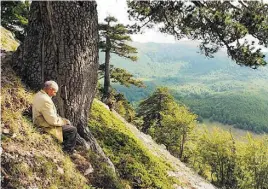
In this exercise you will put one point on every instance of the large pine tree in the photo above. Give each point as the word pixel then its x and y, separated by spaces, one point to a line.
pixel 62 45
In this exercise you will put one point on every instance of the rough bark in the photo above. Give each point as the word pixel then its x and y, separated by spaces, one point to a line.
pixel 62 45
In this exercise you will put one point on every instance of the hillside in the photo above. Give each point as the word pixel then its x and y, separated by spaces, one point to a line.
pixel 8 42
pixel 32 159
pixel 179 169
pixel 201 83
pixel 134 153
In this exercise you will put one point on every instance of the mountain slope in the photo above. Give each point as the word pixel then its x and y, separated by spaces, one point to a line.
pixel 121 139
pixel 30 159
pixel 33 159
pixel 183 173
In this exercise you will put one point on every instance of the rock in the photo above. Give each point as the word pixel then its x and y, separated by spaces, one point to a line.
pixel 89 170
pixel 33 187
pixel 6 131
pixel 60 170
pixel 38 178
pixel 14 135
pixel 177 186
pixel 163 146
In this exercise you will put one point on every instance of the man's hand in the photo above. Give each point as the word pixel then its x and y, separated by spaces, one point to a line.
pixel 67 121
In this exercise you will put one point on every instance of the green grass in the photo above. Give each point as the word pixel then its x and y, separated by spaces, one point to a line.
pixel 134 163
pixel 30 159
pixel 8 42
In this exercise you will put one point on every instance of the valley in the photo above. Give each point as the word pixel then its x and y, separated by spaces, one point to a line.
pixel 214 88
pixel 238 134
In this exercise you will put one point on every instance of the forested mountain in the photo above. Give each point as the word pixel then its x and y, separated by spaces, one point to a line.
pixel 214 88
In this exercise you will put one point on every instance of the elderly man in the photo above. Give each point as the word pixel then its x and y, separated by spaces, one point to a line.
pixel 45 116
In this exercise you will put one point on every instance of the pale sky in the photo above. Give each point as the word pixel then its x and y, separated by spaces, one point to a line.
pixel 118 9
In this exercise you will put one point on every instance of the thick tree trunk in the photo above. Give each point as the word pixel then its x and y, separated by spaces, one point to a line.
pixel 106 91
pixel 62 45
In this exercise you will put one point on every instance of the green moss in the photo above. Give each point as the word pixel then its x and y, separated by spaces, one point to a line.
pixel 104 176
pixel 131 159
pixel 8 42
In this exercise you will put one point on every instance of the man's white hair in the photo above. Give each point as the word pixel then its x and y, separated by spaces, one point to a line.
pixel 51 84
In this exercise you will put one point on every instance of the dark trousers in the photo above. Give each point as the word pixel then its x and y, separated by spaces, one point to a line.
pixel 69 137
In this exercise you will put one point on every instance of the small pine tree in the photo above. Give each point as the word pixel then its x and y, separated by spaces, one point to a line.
pixel 124 108
pixel 113 39
pixel 151 107
pixel 166 121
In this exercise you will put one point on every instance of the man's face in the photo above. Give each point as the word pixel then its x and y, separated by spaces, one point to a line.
pixel 51 92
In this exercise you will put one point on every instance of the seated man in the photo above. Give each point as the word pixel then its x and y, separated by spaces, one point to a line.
pixel 45 116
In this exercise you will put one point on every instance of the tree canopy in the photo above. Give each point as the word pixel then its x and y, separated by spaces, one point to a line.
pixel 14 17
pixel 166 121
pixel 216 23
pixel 118 36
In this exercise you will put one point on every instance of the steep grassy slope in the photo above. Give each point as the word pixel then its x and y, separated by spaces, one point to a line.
pixel 8 42
pixel 138 159
pixel 30 159
pixel 134 163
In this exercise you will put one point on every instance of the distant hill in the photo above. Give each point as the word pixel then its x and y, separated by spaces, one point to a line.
pixel 201 83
